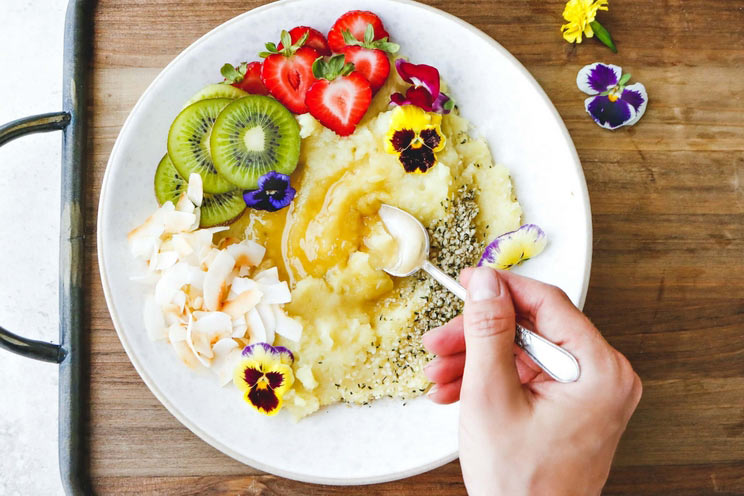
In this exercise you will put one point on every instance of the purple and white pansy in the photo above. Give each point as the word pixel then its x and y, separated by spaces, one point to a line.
pixel 613 103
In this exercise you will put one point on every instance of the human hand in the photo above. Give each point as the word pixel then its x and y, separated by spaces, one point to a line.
pixel 520 431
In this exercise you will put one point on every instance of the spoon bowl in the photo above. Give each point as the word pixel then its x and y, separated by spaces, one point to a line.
pixel 413 255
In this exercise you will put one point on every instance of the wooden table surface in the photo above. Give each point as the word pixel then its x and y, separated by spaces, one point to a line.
pixel 667 284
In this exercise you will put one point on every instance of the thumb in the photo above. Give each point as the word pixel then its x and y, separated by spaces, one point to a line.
pixel 489 325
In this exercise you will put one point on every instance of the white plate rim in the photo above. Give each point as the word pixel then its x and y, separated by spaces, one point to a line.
pixel 583 191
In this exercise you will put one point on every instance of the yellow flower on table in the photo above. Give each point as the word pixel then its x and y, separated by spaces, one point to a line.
pixel 264 375
pixel 580 14
pixel 415 136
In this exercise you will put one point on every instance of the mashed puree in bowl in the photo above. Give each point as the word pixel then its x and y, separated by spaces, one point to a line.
pixel 362 328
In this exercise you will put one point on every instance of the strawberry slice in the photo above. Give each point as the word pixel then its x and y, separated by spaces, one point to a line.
pixel 288 73
pixel 354 21
pixel 340 96
pixel 372 64
pixel 247 77
pixel 315 39
pixel 370 56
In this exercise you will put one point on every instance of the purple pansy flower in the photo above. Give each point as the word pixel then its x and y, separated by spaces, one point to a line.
pixel 273 193
pixel 514 247
pixel 425 92
pixel 613 103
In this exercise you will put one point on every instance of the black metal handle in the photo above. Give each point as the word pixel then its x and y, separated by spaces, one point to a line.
pixel 31 348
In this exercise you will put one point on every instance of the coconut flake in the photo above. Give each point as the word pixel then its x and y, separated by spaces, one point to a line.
pixel 177 332
pixel 190 343
pixel 185 205
pixel 176 221
pixel 256 326
pixel 269 322
pixel 227 357
pixel 241 285
pixel 215 282
pixel 154 320
pixel 268 276
pixel 195 190
pixel 275 293
pixel 247 253
pixel 242 304
pixel 165 260
pixel 286 326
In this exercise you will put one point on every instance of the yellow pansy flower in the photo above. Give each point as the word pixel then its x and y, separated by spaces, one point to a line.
pixel 415 136
pixel 514 247
pixel 264 375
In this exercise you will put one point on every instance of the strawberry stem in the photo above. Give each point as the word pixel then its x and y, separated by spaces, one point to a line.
pixel 370 42
pixel 334 67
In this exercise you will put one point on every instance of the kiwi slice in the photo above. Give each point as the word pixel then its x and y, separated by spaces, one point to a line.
pixel 216 209
pixel 252 136
pixel 188 143
pixel 217 90
pixel 169 185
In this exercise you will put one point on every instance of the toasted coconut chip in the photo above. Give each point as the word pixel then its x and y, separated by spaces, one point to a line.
pixel 184 204
pixel 195 190
pixel 256 326
pixel 186 355
pixel 154 320
pixel 165 260
pixel 180 245
pixel 176 222
pixel 242 304
pixel 173 315
pixel 269 321
pixel 191 345
pixel 177 332
pixel 215 282
pixel 275 293
pixel 226 360
pixel 180 300
pixel 197 303
pixel 171 282
pixel 142 239
pixel 240 331
pixel 247 253
pixel 197 219
pixel 241 285
pixel 244 271
pixel 286 326
pixel 268 276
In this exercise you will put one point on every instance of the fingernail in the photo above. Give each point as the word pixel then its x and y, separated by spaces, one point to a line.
pixel 484 284
pixel 432 390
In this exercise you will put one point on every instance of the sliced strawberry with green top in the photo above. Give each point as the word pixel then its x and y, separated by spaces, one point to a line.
pixel 370 56
pixel 246 76
pixel 354 21
pixel 288 73
pixel 340 96
pixel 315 39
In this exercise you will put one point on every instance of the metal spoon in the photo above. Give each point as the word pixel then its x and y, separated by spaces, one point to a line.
pixel 413 255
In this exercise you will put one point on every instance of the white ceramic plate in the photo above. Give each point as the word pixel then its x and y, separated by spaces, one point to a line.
pixel 390 439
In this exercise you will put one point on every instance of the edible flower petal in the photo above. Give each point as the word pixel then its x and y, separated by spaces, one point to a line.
pixel 514 247
pixel 274 192
pixel 414 136
pixel 425 92
pixel 613 103
pixel 580 14
pixel 264 375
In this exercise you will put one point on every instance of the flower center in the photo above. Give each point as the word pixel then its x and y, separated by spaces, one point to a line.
pixel 614 93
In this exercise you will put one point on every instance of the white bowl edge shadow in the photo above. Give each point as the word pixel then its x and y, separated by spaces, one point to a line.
pixel 577 296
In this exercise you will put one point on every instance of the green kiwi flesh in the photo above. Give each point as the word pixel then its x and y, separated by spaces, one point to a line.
pixel 188 143
pixel 252 136
pixel 216 209
pixel 217 90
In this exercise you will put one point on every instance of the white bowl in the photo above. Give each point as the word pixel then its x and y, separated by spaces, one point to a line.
pixel 390 439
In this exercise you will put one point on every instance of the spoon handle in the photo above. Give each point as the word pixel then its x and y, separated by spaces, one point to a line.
pixel 554 360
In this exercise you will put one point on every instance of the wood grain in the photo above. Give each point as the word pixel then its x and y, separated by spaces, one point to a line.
pixel 667 281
